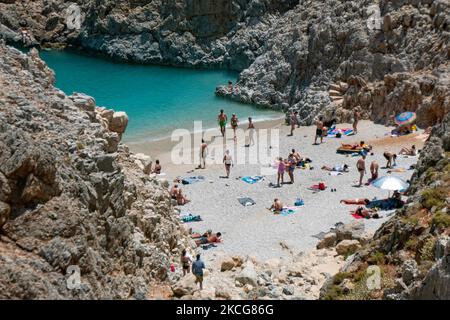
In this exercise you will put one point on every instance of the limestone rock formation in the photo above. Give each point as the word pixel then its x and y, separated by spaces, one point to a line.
pixel 317 57
pixel 72 199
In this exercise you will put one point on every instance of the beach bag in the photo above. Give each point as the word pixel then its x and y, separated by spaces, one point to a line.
pixel 338 135
pixel 321 186
pixel 299 202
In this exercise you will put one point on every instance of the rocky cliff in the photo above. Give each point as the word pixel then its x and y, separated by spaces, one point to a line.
pixel 72 195
pixel 411 250
pixel 318 57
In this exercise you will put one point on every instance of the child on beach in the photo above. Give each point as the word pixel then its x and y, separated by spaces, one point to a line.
pixel 281 169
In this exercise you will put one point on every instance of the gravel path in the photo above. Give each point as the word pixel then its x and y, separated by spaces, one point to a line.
pixel 256 231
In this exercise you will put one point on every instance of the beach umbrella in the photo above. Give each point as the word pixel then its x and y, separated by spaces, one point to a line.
pixel 405 118
pixel 390 183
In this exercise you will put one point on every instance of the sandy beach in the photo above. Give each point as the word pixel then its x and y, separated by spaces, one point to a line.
pixel 256 231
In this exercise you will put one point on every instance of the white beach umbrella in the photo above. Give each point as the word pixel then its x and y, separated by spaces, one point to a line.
pixel 390 183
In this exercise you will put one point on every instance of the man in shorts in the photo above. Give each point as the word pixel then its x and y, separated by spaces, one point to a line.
pixel 319 130
pixel 197 270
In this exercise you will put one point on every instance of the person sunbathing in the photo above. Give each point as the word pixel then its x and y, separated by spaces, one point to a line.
pixel 277 206
pixel 356 201
pixel 368 214
pixel 409 151
pixel 181 199
pixel 336 168
pixel 209 238
pixel 174 191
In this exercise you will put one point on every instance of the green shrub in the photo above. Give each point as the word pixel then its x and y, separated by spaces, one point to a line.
pixel 427 250
pixel 441 219
pixel 434 197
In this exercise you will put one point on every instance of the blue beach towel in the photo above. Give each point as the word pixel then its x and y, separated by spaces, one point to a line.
pixel 193 179
pixel 252 179
pixel 288 211
pixel 190 218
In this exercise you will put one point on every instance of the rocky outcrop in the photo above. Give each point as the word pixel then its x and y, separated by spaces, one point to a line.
pixel 317 57
pixel 72 198
pixel 297 276
pixel 411 250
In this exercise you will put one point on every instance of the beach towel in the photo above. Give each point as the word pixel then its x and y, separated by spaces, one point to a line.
pixel 318 187
pixel 334 131
pixel 335 173
pixel 193 179
pixel 252 179
pixel 385 204
pixel 246 202
pixel 357 216
pixel 190 218
pixel 288 211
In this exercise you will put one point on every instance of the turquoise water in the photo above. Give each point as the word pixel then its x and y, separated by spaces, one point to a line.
pixel 156 99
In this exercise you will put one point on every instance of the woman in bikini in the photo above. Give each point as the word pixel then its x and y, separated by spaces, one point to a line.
pixel 234 124
pixel 228 161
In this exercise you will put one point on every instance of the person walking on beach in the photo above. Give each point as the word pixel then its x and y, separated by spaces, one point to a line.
pixel 228 161
pixel 251 130
pixel 281 169
pixel 361 166
pixel 197 270
pixel 222 118
pixel 319 130
pixel 293 121
pixel 356 116
pixel 234 124
pixel 185 262
pixel 373 171
pixel 203 153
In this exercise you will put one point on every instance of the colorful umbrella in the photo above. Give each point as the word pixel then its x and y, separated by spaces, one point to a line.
pixel 390 183
pixel 405 118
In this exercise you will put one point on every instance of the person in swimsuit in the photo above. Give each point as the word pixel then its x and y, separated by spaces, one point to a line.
pixel 297 156
pixel 356 116
pixel 373 171
pixel 157 168
pixel 409 152
pixel 209 238
pixel 185 262
pixel 181 199
pixel 319 130
pixel 251 129
pixel 230 86
pixel 222 118
pixel 336 168
pixel 293 121
pixel 203 153
pixel 390 157
pixel 174 191
pixel 291 166
pixel 361 166
pixel 281 169
pixel 228 161
pixel 277 206
pixel 234 124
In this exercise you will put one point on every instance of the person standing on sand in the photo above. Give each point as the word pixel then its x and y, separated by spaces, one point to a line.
pixel 234 124
pixel 197 270
pixel 251 130
pixel 203 153
pixel 293 121
pixel 291 167
pixel 356 116
pixel 361 166
pixel 185 262
pixel 222 119
pixel 373 171
pixel 319 130
pixel 157 168
pixel 228 161
pixel 281 169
